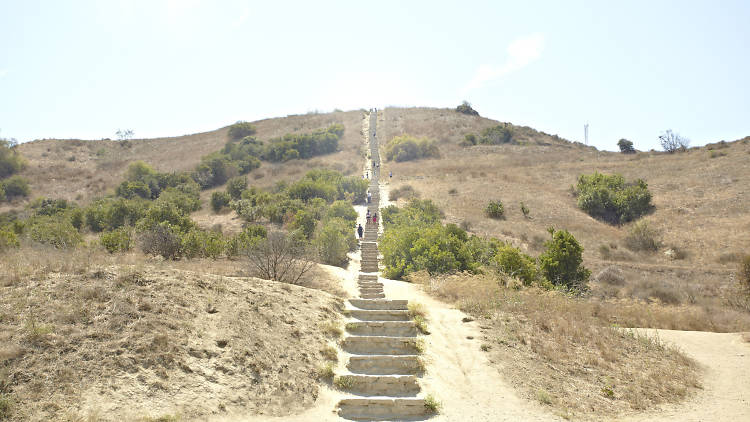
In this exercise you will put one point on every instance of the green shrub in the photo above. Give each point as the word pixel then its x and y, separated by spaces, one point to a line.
pixel 219 200
pixel 525 210
pixel 495 210
pixel 113 213
pixel 11 161
pixel 469 140
pixel 333 240
pixel 236 186
pixel 496 135
pixel 118 240
pixel 245 239
pixel 609 198
pixel 45 206
pixel 186 202
pixel 626 147
pixel 407 148
pixel 130 190
pixel 309 189
pixel 306 145
pixel 214 170
pixel 161 239
pixel 76 218
pixel 642 237
pixel 240 130
pixel 8 239
pixel 2 192
pixel 304 221
pixel 515 263
pixel 343 210
pixel 201 243
pixel 15 187
pixel 55 231
pixel 562 262
pixel 465 108
pixel 161 213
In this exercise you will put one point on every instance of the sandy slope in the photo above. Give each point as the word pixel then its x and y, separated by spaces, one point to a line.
pixel 726 381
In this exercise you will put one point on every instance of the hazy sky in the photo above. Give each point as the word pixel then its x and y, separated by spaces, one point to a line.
pixel 631 69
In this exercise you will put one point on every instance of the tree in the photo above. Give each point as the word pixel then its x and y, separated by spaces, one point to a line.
pixel 626 147
pixel 281 256
pixel 124 134
pixel 562 262
pixel 672 141
pixel 465 108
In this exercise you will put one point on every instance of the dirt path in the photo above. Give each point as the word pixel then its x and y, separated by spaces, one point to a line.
pixel 725 358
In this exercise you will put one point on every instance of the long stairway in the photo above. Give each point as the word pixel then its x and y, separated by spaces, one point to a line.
pixel 381 340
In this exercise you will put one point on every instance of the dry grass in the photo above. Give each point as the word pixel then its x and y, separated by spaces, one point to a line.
pixel 539 337
pixel 100 165
pixel 700 210
pixel 81 328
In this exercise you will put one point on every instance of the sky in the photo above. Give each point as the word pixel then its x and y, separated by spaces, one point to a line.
pixel 630 69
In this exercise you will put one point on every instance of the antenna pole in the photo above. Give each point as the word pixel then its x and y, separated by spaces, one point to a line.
pixel 586 133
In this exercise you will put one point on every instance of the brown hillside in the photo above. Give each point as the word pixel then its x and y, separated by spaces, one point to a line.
pixel 81 170
pixel 700 196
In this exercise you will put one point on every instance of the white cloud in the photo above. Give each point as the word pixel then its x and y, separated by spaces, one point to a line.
pixel 3 73
pixel 521 52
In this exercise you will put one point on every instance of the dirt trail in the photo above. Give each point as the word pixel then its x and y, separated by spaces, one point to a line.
pixel 725 358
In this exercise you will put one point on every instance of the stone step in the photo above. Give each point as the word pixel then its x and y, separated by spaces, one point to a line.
pixel 382 385
pixel 382 328
pixel 373 277
pixel 380 345
pixel 392 304
pixel 370 285
pixel 385 365
pixel 382 409
pixel 379 314
pixel 372 295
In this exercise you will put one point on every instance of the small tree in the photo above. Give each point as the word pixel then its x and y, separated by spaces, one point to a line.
pixel 562 262
pixel 465 108
pixel 495 210
pixel 235 186
pixel 626 147
pixel 124 134
pixel 281 256
pixel 525 210
pixel 672 141
pixel 219 200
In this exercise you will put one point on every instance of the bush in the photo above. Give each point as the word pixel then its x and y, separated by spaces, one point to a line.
pixel 496 135
pixel 280 256
pixel 495 210
pixel 55 231
pixel 45 206
pixel 219 200
pixel 8 239
pixel 15 186
pixel 119 240
pixel 130 190
pixel 161 213
pixel 469 140
pixel 525 210
pixel 465 108
pixel 11 161
pixel 343 210
pixel 185 202
pixel 672 141
pixel 642 237
pixel 513 262
pixel 161 239
pixel 236 186
pixel 334 240
pixel 407 148
pixel 561 263
pixel 242 241
pixel 240 130
pixel 304 221
pixel 201 243
pixel 610 198
pixel 110 214
pixel 293 146
pixel 626 147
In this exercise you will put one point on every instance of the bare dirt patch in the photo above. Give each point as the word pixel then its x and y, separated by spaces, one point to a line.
pixel 122 342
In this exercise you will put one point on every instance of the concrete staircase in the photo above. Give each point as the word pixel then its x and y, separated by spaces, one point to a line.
pixel 381 342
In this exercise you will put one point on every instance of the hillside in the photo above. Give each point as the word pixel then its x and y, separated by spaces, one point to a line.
pixel 700 198
pixel 81 170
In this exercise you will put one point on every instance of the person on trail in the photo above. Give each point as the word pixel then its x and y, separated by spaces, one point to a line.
pixel 360 230
pixel 375 218
pixel 368 216
pixel 367 174
pixel 390 175
pixel 369 197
